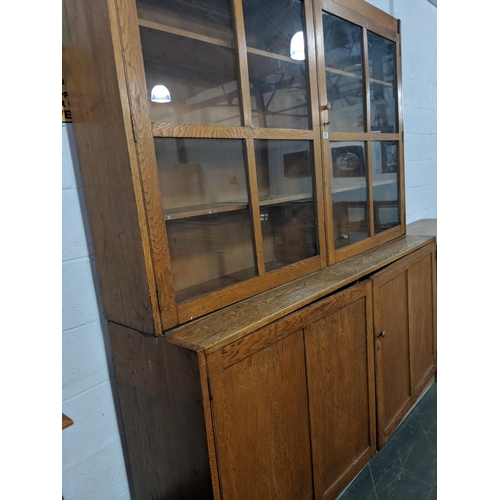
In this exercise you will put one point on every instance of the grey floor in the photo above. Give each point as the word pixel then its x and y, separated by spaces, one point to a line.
pixel 406 467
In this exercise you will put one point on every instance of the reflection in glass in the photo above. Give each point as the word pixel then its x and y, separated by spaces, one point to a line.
pixel 385 173
pixel 270 25
pixel 205 203
pixel 382 58
pixel 349 193
pixel 279 93
pixel 209 18
pixel 188 48
pixel 285 171
pixel 198 173
pixel 344 74
pixel 276 63
pixel 289 233
pixel 210 252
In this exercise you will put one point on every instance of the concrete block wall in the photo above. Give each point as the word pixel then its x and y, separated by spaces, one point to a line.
pixel 93 460
pixel 92 455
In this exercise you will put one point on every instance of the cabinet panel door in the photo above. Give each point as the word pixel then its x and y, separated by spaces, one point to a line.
pixel 422 325
pixel 392 348
pixel 261 422
pixel 339 354
pixel 404 307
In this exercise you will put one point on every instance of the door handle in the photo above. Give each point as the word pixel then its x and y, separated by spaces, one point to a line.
pixel 382 334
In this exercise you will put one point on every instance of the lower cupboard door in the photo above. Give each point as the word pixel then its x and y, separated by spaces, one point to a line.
pixel 340 377
pixel 261 426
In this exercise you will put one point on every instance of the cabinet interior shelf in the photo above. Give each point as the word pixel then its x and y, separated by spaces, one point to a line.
pixel 360 185
pixel 194 211
pixel 285 199
pixel 357 77
pixel 217 208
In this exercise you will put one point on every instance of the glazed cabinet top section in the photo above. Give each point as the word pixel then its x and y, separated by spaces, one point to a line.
pixel 234 145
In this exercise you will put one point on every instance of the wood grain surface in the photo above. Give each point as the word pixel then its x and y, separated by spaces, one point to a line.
pixel 422 227
pixel 261 423
pixel 341 392
pixel 226 326
pixel 404 309
pixel 145 168
pixel 166 416
pixel 66 421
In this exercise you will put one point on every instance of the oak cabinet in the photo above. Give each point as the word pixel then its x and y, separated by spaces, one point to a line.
pixel 282 395
pixel 243 168
pixel 228 147
pixel 404 297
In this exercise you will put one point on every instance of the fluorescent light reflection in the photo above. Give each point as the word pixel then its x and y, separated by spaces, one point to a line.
pixel 297 47
pixel 160 93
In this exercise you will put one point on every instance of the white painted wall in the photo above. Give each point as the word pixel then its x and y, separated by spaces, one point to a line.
pixel 93 463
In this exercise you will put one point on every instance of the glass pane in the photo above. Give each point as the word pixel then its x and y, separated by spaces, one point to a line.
pixel 285 171
pixel 205 203
pixel 385 184
pixel 279 93
pixel 349 193
pixel 271 24
pixel 382 57
pixel 344 74
pixel 210 252
pixel 276 63
pixel 190 62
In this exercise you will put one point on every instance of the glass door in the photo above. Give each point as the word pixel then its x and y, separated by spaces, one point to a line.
pixel 230 89
pixel 362 137
pixel 279 60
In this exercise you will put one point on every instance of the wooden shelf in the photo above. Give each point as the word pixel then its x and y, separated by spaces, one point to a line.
pixel 273 55
pixel 195 211
pixel 360 185
pixel 217 208
pixel 357 77
pixel 343 73
pixel 181 32
pixel 381 82
pixel 214 41
pixel 285 199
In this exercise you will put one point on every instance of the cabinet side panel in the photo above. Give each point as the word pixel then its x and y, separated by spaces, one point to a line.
pixel 261 423
pixel 420 294
pixel 103 132
pixel 162 406
pixel 340 386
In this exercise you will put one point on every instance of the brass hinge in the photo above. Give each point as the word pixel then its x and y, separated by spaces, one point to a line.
pixel 134 128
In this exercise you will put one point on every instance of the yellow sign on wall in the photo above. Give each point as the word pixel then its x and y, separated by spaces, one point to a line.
pixel 66 110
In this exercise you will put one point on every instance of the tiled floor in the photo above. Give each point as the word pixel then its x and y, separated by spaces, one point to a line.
pixel 405 468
